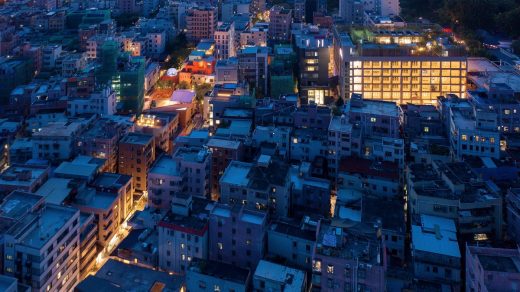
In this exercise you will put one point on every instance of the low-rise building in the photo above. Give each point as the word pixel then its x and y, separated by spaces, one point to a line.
pixel 492 269
pixel 453 191
pixel 348 255
pixel 162 126
pixel 274 277
pixel 184 233
pixel 264 185
pixel 204 275
pixel 309 195
pixel 187 171
pixel 25 177
pixel 40 243
pixel 291 242
pixel 237 235
pixel 435 251
pixel 55 142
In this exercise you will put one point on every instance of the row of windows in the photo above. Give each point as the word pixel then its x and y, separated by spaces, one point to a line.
pixel 409 64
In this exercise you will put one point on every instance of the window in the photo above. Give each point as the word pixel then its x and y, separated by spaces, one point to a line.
pixel 330 269
pixel 220 246
pixel 373 120
pixel 464 138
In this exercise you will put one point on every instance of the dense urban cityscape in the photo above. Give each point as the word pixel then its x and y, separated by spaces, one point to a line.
pixel 259 145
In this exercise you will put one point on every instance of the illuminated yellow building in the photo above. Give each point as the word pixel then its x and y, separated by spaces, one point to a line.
pixel 403 66
pixel 418 80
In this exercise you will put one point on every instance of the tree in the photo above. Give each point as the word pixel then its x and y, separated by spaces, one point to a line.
pixel 183 85
pixel 201 90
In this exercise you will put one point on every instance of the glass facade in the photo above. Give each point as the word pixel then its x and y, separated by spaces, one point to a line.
pixel 410 81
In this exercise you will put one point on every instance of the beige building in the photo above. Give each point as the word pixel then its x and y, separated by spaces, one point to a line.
pixel 136 156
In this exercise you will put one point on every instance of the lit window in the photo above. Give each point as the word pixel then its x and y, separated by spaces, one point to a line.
pixel 464 138
pixel 507 112
pixel 330 269
pixel 316 266
pixel 295 140
pixel 182 245
pixel 220 246
pixel 373 120
pixel 492 140
pixel 426 129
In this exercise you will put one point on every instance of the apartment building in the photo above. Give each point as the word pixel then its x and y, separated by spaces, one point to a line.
pixel 25 177
pixel 292 242
pixel 136 156
pixel 55 142
pixel 451 190
pixel 492 269
pixel 201 23
pixel 253 67
pixel 263 185
pixel 237 235
pixel 209 275
pixel 222 153
pixel 101 140
pixel 435 251
pixel 183 233
pixel 187 171
pixel 41 243
pixel 162 126
pixel 280 20
pixel 270 276
pixel 314 48
pixel 348 256
pixel 225 41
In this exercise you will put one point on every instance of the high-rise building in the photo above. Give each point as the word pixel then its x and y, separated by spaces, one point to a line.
pixel 136 156
pixel 252 65
pixel 201 23
pixel 314 48
pixel 351 11
pixel 225 41
pixel 280 20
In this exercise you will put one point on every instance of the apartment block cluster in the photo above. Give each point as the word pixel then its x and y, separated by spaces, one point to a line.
pixel 290 149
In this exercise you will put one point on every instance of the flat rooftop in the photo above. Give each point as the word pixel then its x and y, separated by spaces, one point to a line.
pixel 17 203
pixel 135 278
pixel 22 175
pixel 81 166
pixel 111 180
pixel 221 143
pixel 350 240
pixel 236 173
pixel 219 270
pixel 293 230
pixel 55 190
pixel 436 235
pixel 51 220
pixel 96 200
pixel 165 165
pixel 196 223
pixel 137 138
pixel 292 279
pixel 59 129
pixel 7 282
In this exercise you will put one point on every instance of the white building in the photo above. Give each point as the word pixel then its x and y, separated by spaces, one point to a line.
pixel 102 102
pixel 55 141
pixel 42 248
pixel 183 234
pixel 274 277
pixel 225 41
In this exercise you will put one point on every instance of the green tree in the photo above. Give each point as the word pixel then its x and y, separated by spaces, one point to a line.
pixel 202 90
